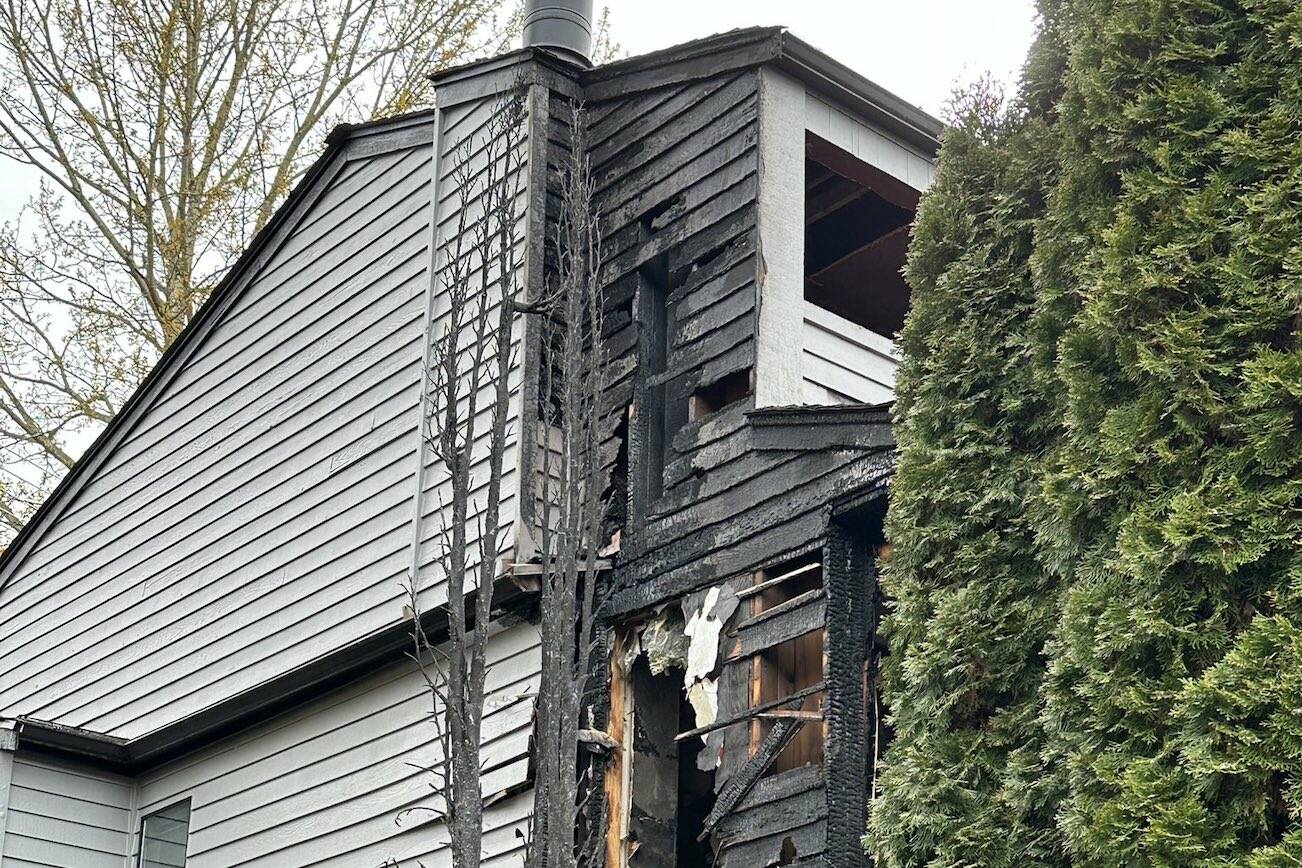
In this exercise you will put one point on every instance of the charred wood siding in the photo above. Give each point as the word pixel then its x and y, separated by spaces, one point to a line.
pixel 715 498
pixel 676 171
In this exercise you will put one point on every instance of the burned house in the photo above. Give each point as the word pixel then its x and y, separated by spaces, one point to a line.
pixel 203 635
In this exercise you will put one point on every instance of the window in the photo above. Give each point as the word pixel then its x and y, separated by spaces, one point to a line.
pixel 163 837
pixel 655 326
pixel 857 222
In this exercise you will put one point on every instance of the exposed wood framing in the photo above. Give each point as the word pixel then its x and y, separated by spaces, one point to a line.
pixel 619 768
pixel 741 783
pixel 751 713
pixel 850 586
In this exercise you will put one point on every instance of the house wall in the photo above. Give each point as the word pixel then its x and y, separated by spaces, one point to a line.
pixel 464 131
pixel 676 173
pixel 328 783
pixel 63 814
pixel 712 179
pixel 258 514
pixel 339 781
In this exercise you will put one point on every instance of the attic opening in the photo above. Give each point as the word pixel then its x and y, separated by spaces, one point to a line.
pixel 857 221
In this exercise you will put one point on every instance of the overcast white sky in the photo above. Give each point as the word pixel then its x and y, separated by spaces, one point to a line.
pixel 920 49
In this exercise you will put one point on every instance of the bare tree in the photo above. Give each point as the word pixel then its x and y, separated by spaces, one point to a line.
pixel 470 356
pixel 164 134
pixel 467 362
pixel 572 519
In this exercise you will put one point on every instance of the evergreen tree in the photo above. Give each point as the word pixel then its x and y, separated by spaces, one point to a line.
pixel 963 783
pixel 1096 640
pixel 1173 240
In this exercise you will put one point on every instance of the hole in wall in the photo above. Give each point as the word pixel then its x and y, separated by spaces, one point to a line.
pixel 857 223
pixel 723 392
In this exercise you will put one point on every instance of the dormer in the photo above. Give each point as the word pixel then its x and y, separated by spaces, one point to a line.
pixel 842 166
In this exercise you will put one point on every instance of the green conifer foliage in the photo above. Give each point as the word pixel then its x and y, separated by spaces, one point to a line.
pixel 963 783
pixel 1096 640
pixel 1174 241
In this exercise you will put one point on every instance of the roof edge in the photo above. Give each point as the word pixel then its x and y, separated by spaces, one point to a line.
pixel 833 78
pixel 276 695
pixel 337 140
pixel 683 51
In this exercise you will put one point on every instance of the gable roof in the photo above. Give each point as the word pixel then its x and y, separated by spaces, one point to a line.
pixel 698 58
pixel 192 336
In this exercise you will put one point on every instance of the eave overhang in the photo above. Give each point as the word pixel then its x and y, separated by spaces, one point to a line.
pixel 271 697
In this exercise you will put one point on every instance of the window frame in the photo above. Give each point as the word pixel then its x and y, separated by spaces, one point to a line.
pixel 188 802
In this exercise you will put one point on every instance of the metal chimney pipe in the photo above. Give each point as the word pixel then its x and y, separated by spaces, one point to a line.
pixel 561 26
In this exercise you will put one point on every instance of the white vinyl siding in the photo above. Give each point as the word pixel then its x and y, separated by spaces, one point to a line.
pixel 63 815
pixel 338 782
pixel 844 362
pixel 258 515
pixel 874 146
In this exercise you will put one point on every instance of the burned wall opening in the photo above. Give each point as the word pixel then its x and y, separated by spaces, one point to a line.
pixel 857 221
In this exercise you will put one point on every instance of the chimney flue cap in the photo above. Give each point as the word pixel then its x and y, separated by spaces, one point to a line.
pixel 561 26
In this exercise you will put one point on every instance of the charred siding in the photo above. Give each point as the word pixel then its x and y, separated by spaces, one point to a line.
pixel 675 170
pixel 712 499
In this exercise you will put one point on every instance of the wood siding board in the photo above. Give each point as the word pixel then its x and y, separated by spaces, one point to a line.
pixel 759 821
pixel 808 840
pixel 644 584
pixel 761 497
pixel 783 786
pixel 779 736
pixel 696 233
pixel 608 118
pixel 689 69
pixel 704 361
pixel 719 328
pixel 642 123
pixel 674 145
pixel 738 146
pixel 754 637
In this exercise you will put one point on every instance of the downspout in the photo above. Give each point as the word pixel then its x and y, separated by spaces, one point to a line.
pixel 422 418
pixel 8 744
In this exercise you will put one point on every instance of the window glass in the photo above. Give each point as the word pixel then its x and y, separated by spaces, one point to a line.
pixel 163 837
